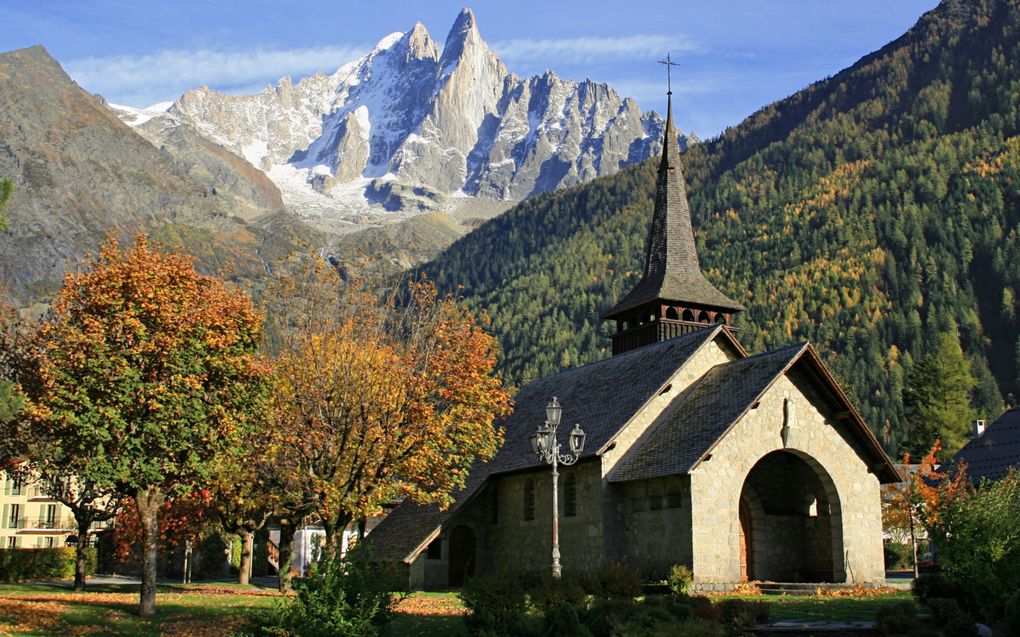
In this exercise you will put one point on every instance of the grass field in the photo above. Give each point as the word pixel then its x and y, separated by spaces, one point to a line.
pixel 220 610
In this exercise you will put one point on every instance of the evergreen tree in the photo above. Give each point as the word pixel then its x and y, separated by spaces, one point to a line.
pixel 937 399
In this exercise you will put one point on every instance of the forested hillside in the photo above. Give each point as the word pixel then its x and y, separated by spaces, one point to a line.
pixel 869 213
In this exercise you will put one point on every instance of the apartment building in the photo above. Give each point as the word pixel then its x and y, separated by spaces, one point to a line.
pixel 29 518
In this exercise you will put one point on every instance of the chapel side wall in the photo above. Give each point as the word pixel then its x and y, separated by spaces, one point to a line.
pixel 657 523
pixel 716 486
pixel 526 545
pixel 616 499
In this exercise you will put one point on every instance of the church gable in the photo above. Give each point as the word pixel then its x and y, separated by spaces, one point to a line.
pixel 701 416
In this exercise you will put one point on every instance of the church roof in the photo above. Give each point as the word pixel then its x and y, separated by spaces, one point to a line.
pixel 601 396
pixel 701 415
pixel 996 451
pixel 672 271
pixel 698 418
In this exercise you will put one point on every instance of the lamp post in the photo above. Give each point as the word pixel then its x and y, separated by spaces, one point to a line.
pixel 547 447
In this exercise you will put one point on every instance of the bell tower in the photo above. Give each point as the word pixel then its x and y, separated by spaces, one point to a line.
pixel 673 297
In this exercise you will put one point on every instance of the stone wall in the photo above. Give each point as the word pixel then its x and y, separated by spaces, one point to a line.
pixel 852 492
pixel 656 519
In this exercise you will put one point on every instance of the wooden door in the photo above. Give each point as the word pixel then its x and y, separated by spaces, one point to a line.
pixel 745 542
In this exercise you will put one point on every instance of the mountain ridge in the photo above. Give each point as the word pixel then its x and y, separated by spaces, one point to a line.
pixel 446 125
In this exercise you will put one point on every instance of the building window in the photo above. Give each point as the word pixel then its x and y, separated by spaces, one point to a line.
pixel 570 495
pixel 674 499
pixel 655 499
pixel 529 499
pixel 435 550
pixel 12 542
pixel 49 542
pixel 12 518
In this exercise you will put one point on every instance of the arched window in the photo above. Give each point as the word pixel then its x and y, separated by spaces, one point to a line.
pixel 529 499
pixel 671 313
pixel 703 317
pixel 720 318
pixel 688 316
pixel 570 495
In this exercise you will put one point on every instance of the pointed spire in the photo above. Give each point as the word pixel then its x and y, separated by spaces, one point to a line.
pixel 672 272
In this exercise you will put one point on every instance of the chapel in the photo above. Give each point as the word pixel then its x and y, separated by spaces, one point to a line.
pixel 741 466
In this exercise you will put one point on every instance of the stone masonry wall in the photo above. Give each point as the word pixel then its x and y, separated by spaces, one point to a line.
pixel 526 545
pixel 716 487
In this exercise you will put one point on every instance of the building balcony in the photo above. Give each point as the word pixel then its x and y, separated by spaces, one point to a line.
pixel 43 524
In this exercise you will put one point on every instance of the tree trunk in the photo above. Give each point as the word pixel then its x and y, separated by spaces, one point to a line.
pixel 84 522
pixel 247 546
pixel 287 531
pixel 148 503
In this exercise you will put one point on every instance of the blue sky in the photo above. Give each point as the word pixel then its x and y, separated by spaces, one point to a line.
pixel 735 55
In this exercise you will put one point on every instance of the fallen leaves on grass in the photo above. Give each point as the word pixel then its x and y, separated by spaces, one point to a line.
pixel 859 590
pixel 223 627
pixel 36 616
pixel 747 588
pixel 415 605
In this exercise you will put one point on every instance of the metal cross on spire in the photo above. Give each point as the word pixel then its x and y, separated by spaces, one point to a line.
pixel 669 73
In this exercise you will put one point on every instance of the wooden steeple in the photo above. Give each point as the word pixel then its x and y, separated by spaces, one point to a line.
pixel 673 297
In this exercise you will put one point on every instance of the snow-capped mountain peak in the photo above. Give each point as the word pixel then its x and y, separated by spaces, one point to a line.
pixel 406 128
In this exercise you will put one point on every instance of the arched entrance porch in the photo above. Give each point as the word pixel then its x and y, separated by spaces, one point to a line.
pixel 790 521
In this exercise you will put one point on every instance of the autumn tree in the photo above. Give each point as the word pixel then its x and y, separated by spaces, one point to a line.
pixel 937 399
pixel 901 510
pixel 378 396
pixel 149 375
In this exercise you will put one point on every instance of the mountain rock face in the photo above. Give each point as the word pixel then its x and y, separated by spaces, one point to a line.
pixel 414 127
pixel 81 174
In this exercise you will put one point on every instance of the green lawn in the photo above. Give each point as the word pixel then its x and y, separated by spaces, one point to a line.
pixel 219 610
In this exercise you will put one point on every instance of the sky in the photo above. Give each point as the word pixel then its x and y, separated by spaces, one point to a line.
pixel 734 56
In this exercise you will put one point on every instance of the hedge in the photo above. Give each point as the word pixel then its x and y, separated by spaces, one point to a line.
pixel 18 565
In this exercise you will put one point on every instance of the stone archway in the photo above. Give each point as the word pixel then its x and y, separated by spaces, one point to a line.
pixel 462 555
pixel 791 521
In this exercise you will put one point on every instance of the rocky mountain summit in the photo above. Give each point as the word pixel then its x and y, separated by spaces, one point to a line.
pixel 80 174
pixel 411 127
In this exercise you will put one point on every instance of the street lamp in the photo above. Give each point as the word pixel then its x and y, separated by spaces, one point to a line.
pixel 547 447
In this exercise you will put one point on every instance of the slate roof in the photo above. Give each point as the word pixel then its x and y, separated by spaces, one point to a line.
pixel 672 271
pixel 698 417
pixel 996 451
pixel 601 396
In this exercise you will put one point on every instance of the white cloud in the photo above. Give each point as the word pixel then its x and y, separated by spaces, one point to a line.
pixel 590 49
pixel 166 75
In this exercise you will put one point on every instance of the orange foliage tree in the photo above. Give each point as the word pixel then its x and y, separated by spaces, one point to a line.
pixel 378 396
pixel 148 377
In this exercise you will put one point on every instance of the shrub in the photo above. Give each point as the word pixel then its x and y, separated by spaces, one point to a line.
pixel 19 565
pixel 1011 614
pixel 547 592
pixel 739 613
pixel 617 580
pixel 342 598
pixel 679 579
pixel 942 609
pixel 932 585
pixel 564 620
pixel 605 617
pixel 960 625
pixel 496 603
pixel 679 606
pixel 979 548
pixel 898 555
pixel 896 619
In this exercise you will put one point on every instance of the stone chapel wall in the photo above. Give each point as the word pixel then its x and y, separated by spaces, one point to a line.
pixel 716 487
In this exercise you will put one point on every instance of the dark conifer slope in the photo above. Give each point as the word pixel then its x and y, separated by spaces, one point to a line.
pixel 868 213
